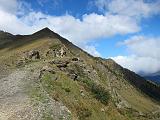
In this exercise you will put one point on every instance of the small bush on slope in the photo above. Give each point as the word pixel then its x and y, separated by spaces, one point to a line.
pixel 100 93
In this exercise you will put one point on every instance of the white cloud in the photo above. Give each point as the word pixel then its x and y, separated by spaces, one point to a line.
pixel 133 8
pixel 10 23
pixel 145 55
pixel 144 46
pixel 9 6
pixel 15 7
pixel 141 65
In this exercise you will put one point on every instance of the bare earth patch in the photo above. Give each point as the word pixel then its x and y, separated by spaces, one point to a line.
pixel 17 104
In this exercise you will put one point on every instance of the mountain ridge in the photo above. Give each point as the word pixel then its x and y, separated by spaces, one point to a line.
pixel 65 73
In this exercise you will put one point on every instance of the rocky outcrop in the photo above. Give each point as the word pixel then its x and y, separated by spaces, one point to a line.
pixel 34 54
pixel 56 51
pixel 62 52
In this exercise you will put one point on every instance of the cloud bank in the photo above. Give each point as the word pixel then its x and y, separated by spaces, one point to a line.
pixel 144 55
pixel 132 8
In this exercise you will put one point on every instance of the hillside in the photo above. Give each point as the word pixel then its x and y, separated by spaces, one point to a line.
pixel 45 77
pixel 5 37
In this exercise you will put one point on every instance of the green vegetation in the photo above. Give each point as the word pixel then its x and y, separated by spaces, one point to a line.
pixel 100 93
pixel 55 46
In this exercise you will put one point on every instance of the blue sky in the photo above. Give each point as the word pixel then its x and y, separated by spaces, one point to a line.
pixel 128 31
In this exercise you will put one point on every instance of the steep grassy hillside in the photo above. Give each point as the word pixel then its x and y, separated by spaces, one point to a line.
pixel 52 79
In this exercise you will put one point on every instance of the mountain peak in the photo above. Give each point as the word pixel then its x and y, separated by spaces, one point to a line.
pixel 46 29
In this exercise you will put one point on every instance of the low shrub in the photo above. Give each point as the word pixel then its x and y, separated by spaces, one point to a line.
pixel 100 93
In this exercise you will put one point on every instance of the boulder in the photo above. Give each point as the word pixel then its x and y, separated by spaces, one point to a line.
pixel 82 93
pixel 34 54
pixel 62 52
pixel 60 63
pixel 102 110
pixel 73 76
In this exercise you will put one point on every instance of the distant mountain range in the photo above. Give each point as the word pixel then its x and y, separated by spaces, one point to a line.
pixel 154 77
